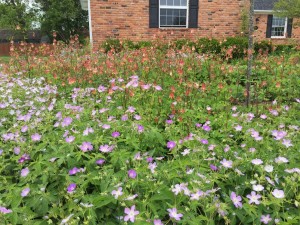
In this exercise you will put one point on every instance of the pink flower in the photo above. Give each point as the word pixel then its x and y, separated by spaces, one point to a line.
pixel 171 145
pixel 24 172
pixel 157 222
pixel 173 214
pixel 36 137
pixel 265 219
pixel 237 200
pixel 226 163
pixel 115 134
pixel 131 213
pixel 132 174
pixel 66 122
pixel 254 198
pixel 106 148
pixel 5 210
pixel 86 146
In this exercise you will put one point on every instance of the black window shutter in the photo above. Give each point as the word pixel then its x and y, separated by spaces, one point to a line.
pixel 153 13
pixel 269 26
pixel 193 13
pixel 289 28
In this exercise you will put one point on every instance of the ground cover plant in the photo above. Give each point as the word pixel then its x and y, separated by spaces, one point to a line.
pixel 148 137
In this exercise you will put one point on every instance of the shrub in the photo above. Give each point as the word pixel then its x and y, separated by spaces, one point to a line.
pixel 234 47
pixel 180 43
pixel 263 47
pixel 143 44
pixel 110 44
pixel 206 45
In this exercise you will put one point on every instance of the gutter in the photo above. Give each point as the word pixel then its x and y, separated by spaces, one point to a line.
pixel 90 23
pixel 263 11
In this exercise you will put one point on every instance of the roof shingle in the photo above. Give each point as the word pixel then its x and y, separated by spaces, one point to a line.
pixel 264 4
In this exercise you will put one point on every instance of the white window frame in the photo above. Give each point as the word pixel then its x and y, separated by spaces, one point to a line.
pixel 174 7
pixel 285 28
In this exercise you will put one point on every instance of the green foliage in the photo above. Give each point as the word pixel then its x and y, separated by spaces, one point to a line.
pixel 206 45
pixel 65 17
pixel 113 44
pixel 151 98
pixel 287 8
pixel 263 47
pixel 234 47
pixel 16 16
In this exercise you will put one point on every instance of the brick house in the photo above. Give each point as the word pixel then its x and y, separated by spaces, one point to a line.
pixel 174 19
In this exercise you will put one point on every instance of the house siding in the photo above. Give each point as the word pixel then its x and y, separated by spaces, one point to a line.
pixel 260 32
pixel 129 19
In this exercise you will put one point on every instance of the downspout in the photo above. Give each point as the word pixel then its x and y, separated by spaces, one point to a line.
pixel 90 23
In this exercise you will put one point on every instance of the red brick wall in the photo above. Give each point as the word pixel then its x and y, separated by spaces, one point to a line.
pixel 129 19
pixel 260 33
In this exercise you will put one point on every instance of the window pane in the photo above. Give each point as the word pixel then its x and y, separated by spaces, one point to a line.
pixel 170 2
pixel 183 3
pixel 163 12
pixel 176 12
pixel 163 20
pixel 163 2
pixel 177 2
pixel 169 21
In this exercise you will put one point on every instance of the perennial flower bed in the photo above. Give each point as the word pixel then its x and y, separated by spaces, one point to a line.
pixel 162 147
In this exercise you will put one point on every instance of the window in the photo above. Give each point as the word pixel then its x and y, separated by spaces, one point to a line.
pixel 279 27
pixel 173 13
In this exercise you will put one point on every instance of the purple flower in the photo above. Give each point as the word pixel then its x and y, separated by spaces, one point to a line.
pixel 171 145
pixel 169 121
pixel 25 192
pixel 66 122
pixel 173 214
pixel 131 213
pixel 213 167
pixel 106 148
pixel 206 128
pixel 226 163
pixel 287 143
pixel 24 172
pixel 157 222
pixel 132 174
pixel 100 161
pixel 71 188
pixel 74 171
pixel 265 219
pixel 36 137
pixel 204 141
pixel 105 126
pixel 115 134
pixel 5 210
pixel 24 158
pixel 149 159
pixel 198 125
pixel 278 193
pixel 86 146
pixel 124 117
pixel 237 200
pixel 17 150
pixel 70 139
pixel 140 128
pixel 137 117
pixel 254 198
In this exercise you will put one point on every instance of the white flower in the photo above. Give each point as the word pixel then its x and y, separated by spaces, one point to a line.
pixel 281 159
pixel 258 187
pixel 257 161
pixel 278 193
pixel 268 168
